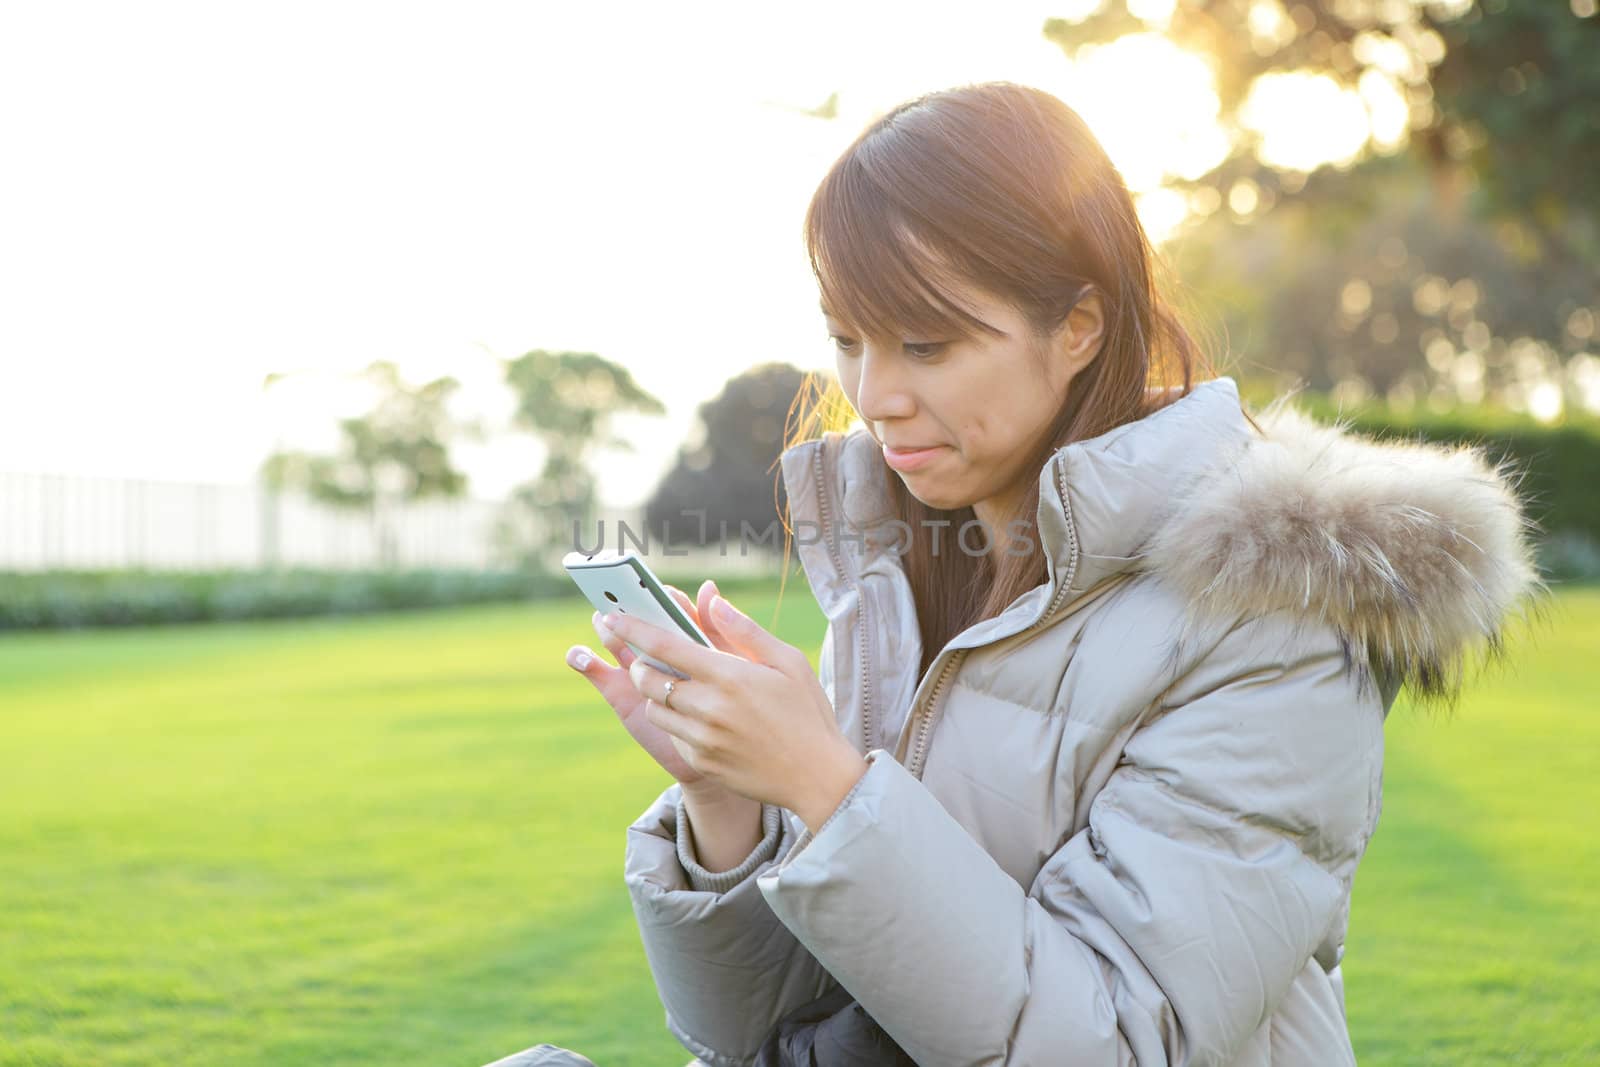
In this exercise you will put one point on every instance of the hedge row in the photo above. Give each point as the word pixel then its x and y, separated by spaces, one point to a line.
pixel 70 599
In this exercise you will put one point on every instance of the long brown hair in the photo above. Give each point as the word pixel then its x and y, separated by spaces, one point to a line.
pixel 1003 187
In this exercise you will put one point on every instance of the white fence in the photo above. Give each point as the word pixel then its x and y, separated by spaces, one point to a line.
pixel 50 521
pixel 68 521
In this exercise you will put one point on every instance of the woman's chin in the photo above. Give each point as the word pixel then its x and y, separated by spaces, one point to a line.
pixel 933 495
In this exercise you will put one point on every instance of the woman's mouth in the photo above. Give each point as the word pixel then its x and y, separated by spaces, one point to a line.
pixel 910 459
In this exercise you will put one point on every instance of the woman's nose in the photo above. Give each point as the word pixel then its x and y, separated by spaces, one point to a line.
pixel 881 391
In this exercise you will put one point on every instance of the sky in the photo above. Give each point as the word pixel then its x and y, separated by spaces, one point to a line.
pixel 198 195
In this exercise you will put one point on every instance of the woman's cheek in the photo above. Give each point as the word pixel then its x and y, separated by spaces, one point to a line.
pixel 850 383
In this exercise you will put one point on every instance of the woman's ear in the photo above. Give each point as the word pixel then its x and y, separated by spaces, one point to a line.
pixel 1081 335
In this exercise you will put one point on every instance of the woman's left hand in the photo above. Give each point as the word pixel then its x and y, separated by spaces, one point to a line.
pixel 760 725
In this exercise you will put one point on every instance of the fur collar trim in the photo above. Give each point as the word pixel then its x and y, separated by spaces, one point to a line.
pixel 1415 553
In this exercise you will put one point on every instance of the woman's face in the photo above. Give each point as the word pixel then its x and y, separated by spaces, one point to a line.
pixel 980 402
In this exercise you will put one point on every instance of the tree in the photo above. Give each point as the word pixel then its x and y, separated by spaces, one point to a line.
pixel 1501 97
pixel 397 451
pixel 725 474
pixel 566 400
pixel 1391 296
pixel 1455 263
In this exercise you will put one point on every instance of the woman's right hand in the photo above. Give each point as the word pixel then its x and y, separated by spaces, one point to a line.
pixel 616 686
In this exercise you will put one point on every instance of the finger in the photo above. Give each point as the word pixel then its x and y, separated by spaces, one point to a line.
pixel 652 684
pixel 613 644
pixel 708 589
pixel 645 680
pixel 683 599
pixel 697 611
pixel 671 647
pixel 684 727
pixel 689 607
pixel 755 642
pixel 614 683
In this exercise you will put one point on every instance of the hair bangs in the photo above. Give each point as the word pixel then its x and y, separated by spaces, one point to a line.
pixel 873 272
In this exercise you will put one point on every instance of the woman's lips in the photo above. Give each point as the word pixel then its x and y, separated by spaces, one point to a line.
pixel 910 459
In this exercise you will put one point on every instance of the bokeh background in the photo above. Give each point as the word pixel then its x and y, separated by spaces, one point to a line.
pixel 327 328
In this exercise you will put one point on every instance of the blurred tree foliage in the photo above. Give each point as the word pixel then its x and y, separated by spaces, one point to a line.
pixel 397 451
pixel 1456 263
pixel 725 472
pixel 566 400
pixel 1380 292
pixel 1501 92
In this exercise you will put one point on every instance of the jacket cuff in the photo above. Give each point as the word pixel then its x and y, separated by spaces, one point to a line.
pixel 806 836
pixel 706 881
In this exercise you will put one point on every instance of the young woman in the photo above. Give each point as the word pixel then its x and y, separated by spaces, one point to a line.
pixel 1097 741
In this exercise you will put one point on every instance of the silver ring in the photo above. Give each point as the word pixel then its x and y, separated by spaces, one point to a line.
pixel 666 698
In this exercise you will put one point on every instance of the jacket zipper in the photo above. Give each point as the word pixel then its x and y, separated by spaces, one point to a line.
pixel 919 748
pixel 860 633
pixel 925 726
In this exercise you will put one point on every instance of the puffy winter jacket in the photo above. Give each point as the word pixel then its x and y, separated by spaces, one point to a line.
pixel 1117 823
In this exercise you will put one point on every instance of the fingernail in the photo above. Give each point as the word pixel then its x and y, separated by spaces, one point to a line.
pixel 579 659
pixel 722 609
pixel 610 619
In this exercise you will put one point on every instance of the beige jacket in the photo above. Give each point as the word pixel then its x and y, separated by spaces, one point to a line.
pixel 1119 822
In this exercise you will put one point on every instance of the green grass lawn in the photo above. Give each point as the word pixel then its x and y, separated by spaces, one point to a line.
pixel 399 840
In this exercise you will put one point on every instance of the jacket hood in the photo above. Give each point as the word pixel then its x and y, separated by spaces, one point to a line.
pixel 1415 554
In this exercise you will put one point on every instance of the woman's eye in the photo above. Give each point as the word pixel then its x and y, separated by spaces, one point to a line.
pixel 925 350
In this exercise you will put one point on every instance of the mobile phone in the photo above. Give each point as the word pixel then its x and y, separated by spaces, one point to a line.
pixel 622 581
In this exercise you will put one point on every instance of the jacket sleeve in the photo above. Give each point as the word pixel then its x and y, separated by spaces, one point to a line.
pixel 725 968
pixel 1166 931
